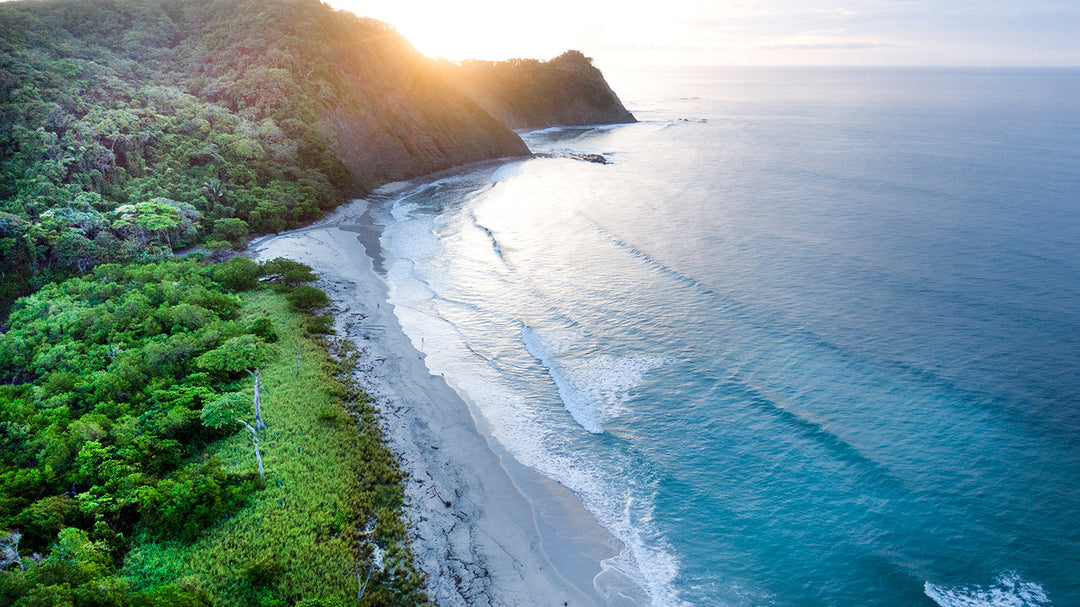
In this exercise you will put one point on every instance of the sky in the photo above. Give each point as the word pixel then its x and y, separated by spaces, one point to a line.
pixel 632 33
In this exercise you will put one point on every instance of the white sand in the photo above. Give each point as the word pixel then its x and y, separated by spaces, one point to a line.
pixel 493 543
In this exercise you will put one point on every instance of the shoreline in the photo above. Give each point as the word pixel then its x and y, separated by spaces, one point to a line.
pixel 485 529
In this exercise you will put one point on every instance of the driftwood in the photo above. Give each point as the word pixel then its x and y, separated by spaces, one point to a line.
pixel 445 501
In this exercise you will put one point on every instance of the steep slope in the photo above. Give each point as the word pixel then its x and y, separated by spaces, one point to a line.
pixel 526 93
pixel 131 128
pixel 389 115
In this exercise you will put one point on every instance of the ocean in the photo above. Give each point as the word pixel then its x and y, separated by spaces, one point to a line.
pixel 810 337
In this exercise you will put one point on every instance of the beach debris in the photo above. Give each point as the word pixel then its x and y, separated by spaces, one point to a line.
pixel 445 501
pixel 442 499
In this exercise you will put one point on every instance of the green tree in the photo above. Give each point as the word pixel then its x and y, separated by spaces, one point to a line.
pixel 74 560
pixel 242 353
pixel 283 271
pixel 231 230
pixel 263 328
pixel 237 354
pixel 237 273
pixel 306 298
pixel 227 409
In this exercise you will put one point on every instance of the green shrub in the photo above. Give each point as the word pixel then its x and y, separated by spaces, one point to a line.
pixel 287 272
pixel 238 274
pixel 321 325
pixel 216 246
pixel 319 603
pixel 307 298
pixel 263 328
pixel 231 230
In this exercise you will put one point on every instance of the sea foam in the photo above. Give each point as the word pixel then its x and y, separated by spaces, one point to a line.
pixel 593 388
pixel 1009 590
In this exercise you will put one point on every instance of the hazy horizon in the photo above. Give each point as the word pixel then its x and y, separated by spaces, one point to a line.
pixel 752 33
pixel 917 33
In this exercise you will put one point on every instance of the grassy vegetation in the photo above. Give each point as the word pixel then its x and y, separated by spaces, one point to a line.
pixel 119 484
pixel 130 130
pixel 326 483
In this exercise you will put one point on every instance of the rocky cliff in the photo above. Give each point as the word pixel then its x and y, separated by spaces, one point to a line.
pixel 527 93
pixel 131 128
pixel 392 115
pixel 384 109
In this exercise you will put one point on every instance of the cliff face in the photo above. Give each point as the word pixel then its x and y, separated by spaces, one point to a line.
pixel 526 93
pixel 383 108
pixel 131 128
pixel 395 117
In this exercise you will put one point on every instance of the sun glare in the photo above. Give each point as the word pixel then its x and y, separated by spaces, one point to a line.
pixel 629 34
pixel 720 32
pixel 485 30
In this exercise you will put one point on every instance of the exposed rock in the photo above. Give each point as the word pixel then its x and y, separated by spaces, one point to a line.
pixel 594 158
pixel 526 93
pixel 396 118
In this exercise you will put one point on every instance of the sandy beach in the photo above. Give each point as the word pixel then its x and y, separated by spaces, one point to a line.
pixel 486 530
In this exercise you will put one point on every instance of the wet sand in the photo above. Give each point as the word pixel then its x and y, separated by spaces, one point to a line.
pixel 485 529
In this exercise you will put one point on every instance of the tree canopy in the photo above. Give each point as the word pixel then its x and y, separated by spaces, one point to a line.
pixel 119 391
pixel 111 387
pixel 129 130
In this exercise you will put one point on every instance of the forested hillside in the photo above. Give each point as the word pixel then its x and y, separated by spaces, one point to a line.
pixel 131 129
pixel 132 443
pixel 132 409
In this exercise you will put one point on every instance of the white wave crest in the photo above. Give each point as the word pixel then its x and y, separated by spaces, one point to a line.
pixel 595 388
pixel 1008 590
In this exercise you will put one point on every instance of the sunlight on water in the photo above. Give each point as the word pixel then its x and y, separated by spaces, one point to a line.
pixel 805 340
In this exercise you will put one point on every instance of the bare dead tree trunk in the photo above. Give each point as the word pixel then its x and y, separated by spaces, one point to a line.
pixel 361 586
pixel 255 439
pixel 259 425
pixel 360 594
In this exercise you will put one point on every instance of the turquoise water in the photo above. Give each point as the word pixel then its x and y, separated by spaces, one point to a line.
pixel 811 338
